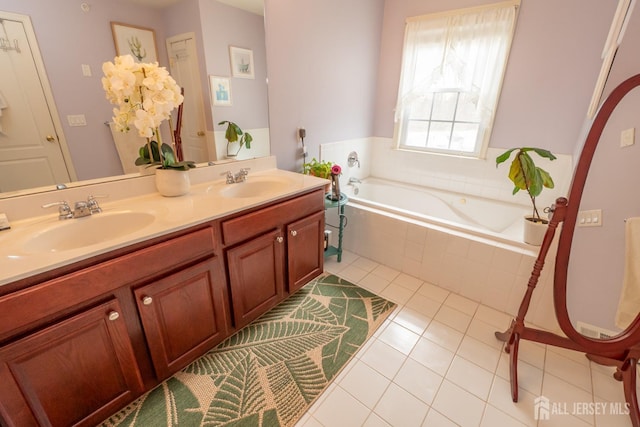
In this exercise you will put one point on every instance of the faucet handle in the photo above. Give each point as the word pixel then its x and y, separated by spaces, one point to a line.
pixel 92 203
pixel 64 211
pixel 229 177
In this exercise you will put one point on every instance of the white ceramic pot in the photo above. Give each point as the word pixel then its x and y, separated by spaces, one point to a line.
pixel 172 182
pixel 534 231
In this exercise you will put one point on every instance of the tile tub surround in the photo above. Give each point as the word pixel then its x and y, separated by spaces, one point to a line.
pixel 437 354
pixel 492 273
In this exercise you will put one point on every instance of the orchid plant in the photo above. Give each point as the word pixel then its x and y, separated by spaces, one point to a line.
pixel 145 94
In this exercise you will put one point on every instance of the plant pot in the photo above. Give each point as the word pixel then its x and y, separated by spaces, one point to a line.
pixel 534 231
pixel 172 182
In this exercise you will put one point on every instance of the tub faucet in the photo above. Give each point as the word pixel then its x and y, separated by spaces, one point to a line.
pixel 354 180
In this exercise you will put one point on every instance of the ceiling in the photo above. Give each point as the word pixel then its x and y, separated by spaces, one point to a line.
pixel 253 6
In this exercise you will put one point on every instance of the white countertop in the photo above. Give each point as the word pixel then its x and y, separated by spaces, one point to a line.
pixel 202 204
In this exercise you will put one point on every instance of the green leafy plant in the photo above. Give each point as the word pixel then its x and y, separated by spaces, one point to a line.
pixel 316 168
pixel 235 134
pixel 525 175
pixel 168 157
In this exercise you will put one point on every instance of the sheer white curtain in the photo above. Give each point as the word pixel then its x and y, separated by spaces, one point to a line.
pixel 459 51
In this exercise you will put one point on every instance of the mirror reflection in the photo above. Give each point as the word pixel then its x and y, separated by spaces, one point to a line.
pixel 55 118
pixel 602 246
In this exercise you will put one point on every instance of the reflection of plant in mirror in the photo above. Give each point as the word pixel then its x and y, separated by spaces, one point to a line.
pixel 525 175
pixel 235 134
pixel 168 157
pixel 316 168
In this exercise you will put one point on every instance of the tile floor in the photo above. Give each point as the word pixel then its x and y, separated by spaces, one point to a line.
pixel 435 362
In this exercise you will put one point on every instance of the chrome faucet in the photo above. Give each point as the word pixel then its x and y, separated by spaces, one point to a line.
pixel 80 209
pixel 241 176
pixel 353 180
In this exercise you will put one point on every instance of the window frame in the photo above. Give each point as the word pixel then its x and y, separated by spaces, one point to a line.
pixel 481 144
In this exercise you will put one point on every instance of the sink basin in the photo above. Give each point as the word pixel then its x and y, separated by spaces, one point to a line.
pixel 256 187
pixel 80 232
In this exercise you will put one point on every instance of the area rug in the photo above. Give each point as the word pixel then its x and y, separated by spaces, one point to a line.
pixel 271 371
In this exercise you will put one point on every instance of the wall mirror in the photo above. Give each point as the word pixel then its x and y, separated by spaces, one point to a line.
pixel 75 38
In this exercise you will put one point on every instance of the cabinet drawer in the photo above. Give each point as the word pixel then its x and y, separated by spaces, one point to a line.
pixel 21 310
pixel 246 226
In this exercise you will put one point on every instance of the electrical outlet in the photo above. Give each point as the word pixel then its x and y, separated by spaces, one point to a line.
pixel 592 218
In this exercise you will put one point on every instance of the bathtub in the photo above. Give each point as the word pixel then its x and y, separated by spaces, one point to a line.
pixel 477 216
pixel 465 244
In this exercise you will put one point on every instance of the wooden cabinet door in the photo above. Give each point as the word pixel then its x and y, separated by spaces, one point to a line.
pixel 75 372
pixel 256 276
pixel 305 250
pixel 183 315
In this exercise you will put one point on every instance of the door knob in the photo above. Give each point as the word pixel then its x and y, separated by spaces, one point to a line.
pixel 200 133
pixel 51 138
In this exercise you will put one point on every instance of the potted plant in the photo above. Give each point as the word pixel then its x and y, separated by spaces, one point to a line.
pixel 235 134
pixel 145 94
pixel 316 168
pixel 525 175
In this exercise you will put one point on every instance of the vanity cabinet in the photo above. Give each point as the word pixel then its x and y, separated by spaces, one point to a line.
pixel 272 252
pixel 183 315
pixel 77 348
pixel 80 369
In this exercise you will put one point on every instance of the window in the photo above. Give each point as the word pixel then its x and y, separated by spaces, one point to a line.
pixel 452 69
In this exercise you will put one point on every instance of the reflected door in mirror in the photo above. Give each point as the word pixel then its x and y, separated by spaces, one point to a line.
pixel 30 154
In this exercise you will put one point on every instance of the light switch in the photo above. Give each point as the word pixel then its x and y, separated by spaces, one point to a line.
pixel 592 218
pixel 627 137
pixel 77 120
pixel 86 70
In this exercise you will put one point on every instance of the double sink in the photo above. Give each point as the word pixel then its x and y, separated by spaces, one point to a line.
pixel 102 227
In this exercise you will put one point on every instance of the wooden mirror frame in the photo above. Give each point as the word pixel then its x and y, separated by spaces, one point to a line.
pixel 621 351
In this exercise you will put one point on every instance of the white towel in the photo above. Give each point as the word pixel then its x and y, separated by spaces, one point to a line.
pixel 629 305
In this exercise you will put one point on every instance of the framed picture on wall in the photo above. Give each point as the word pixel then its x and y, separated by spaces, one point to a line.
pixel 241 62
pixel 220 91
pixel 138 42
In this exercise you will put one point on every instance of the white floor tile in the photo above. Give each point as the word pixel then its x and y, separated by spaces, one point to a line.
pixel 494 417
pixel 383 358
pixel 423 304
pixel 436 419
pixel 568 369
pixel 434 292
pixel 396 293
pixel 479 353
pixel 374 283
pixel 560 392
pixel 385 272
pixel 529 377
pixel 418 380
pixel 522 410
pixel 399 337
pixel 444 335
pixel 412 320
pixel 462 304
pixel 400 408
pixel 408 282
pixel 341 409
pixel 375 421
pixel 365 264
pixel 365 384
pixel 470 377
pixel 453 318
pixel 432 356
pixel 451 400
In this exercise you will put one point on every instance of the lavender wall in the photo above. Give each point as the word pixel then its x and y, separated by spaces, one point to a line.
pixel 553 67
pixel 323 58
pixel 224 26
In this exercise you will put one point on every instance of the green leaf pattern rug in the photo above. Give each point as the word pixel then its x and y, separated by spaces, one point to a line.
pixel 270 372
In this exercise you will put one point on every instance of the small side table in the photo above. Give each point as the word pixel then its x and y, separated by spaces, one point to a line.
pixel 328 203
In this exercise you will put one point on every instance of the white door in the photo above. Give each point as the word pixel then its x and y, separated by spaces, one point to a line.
pixel 183 63
pixel 30 150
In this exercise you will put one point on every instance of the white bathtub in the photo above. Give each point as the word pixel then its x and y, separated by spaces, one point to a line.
pixel 465 244
pixel 475 215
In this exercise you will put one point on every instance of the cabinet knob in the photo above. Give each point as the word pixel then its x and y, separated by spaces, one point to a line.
pixel 294 233
pixel 279 239
pixel 147 300
pixel 113 315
